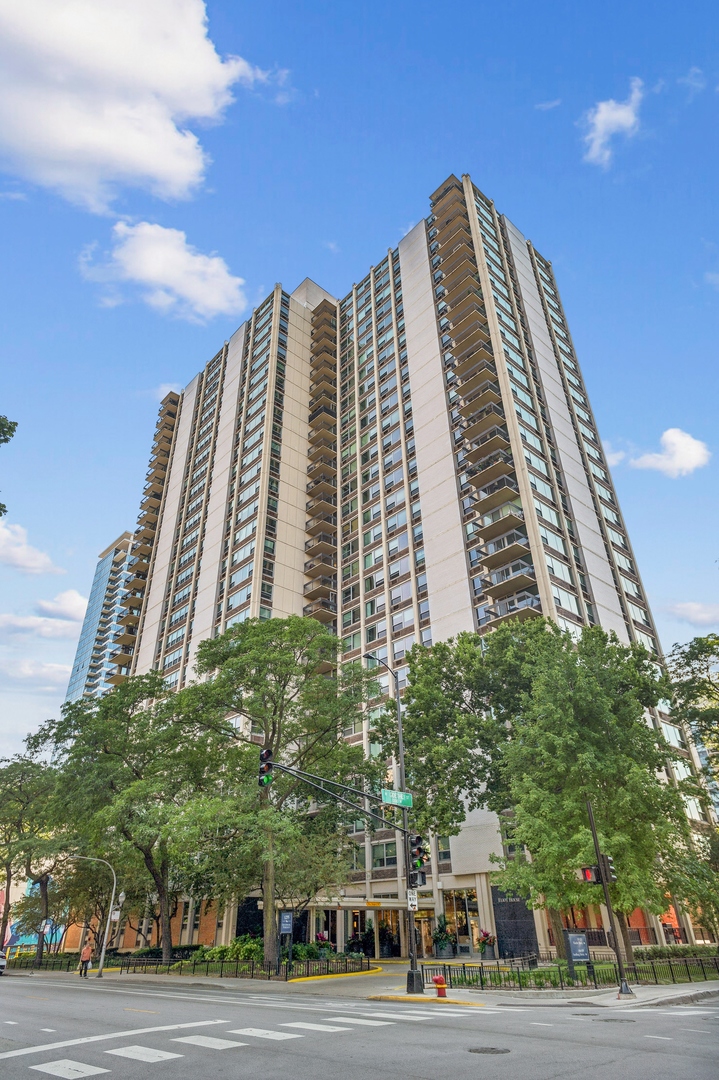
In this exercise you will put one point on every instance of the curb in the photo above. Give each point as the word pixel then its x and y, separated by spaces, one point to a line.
pixel 420 999
pixel 679 999
pixel 335 975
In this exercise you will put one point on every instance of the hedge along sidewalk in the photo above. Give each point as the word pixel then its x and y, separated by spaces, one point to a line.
pixel 643 997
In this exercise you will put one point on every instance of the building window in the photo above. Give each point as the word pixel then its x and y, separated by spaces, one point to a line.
pixel 384 855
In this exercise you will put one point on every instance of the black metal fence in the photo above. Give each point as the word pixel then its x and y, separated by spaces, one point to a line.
pixel 243 969
pixel 63 962
pixel 525 974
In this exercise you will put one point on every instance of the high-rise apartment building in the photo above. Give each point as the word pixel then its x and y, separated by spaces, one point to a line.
pixel 95 664
pixel 412 460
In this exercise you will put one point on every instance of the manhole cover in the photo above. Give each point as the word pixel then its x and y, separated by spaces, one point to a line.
pixel 488 1050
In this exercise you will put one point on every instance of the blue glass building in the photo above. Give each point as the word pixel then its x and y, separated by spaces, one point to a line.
pixel 101 625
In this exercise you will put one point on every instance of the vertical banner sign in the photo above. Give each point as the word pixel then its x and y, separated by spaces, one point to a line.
pixel 285 922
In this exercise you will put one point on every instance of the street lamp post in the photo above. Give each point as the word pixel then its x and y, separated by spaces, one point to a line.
pixel 414 978
pixel 88 858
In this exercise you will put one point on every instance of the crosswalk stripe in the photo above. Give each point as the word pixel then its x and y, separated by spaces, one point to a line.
pixel 67 1069
pixel 402 1016
pixel 359 1020
pixel 265 1033
pixel 209 1042
pixel 315 1027
pixel 143 1053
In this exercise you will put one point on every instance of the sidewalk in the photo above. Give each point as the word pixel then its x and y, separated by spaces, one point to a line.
pixel 389 985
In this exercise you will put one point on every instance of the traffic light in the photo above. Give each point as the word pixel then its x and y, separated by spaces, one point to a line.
pixel 606 867
pixel 590 874
pixel 266 763
pixel 418 854
pixel 417 878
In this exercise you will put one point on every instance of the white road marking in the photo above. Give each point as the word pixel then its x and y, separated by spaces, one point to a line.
pixel 143 1053
pixel 359 1020
pixel 103 1038
pixel 537 1023
pixel 11 1022
pixel 67 1069
pixel 400 1016
pixel 264 1033
pixel 664 1038
pixel 209 1042
pixel 698 1031
pixel 48 1029
pixel 315 1027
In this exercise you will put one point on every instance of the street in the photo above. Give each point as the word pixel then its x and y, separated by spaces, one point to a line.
pixel 60 1026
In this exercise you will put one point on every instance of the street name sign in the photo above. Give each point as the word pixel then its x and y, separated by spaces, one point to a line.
pixel 396 798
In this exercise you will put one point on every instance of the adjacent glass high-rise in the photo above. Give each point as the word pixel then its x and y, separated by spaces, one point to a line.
pixel 94 664
pixel 412 460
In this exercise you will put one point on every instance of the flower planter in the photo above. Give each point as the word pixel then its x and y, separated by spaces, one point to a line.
pixel 488 952
pixel 444 952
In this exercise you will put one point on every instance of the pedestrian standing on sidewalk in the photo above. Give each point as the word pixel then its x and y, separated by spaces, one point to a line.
pixel 85 958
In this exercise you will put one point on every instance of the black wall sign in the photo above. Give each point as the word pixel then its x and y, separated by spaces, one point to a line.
pixel 516 933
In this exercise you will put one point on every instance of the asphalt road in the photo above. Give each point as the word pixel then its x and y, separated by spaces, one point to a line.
pixel 65 1027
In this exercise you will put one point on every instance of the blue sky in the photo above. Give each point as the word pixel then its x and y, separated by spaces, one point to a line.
pixel 159 176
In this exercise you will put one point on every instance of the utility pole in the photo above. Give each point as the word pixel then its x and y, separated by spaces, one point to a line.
pixel 602 863
pixel 415 983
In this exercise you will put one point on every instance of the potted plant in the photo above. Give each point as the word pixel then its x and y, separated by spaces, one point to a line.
pixel 325 946
pixel 443 943
pixel 487 944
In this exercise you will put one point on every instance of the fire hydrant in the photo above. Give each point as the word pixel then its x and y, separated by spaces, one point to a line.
pixel 441 985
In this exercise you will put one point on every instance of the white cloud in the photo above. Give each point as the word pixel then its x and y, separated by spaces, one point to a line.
pixel 95 94
pixel 613 456
pixel 332 246
pixel 16 552
pixel 39 625
pixel 37 672
pixel 609 118
pixel 696 614
pixel 694 80
pixel 545 106
pixel 712 278
pixel 173 276
pixel 681 454
pixel 66 605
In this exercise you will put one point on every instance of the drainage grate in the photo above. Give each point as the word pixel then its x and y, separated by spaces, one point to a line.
pixel 488 1050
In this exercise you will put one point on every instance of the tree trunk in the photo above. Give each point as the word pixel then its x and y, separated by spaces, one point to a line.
pixel 624 931
pixel 269 921
pixel 165 924
pixel 555 921
pixel 44 907
pixel 6 904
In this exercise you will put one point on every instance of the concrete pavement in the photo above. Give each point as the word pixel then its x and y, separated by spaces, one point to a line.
pixel 142 1027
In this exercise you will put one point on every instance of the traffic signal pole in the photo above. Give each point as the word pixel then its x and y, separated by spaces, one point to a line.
pixel 601 862
pixel 415 982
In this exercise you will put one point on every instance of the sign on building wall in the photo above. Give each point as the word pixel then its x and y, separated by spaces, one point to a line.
pixel 516 932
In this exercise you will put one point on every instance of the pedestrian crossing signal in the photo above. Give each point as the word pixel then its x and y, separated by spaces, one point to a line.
pixel 266 764
pixel 590 874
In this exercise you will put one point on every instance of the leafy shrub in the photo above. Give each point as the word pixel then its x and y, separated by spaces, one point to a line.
pixel 667 952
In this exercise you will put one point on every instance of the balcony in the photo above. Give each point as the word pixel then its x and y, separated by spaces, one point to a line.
pixel 323 396
pixel 485 419
pixel 490 442
pixel 321 443
pixel 496 493
pixel 322 610
pixel 509 579
pixel 321 523
pixel 323 362
pixel 521 606
pixel 324 382
pixel 491 468
pixel 499 521
pixel 467 367
pixel 130 617
pixel 122 656
pixel 127 636
pixel 486 393
pixel 513 545
pixel 324 416
pixel 322 504
pixel 486 371
pixel 133 599
pixel 320 464
pixel 322 543
pixel 320 565
pixel 321 588
pixel 322 483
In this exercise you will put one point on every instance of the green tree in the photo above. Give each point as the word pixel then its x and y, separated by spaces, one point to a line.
pixel 128 764
pixel 32 844
pixel 694 668
pixel 276 685
pixel 7 430
pixel 544 722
